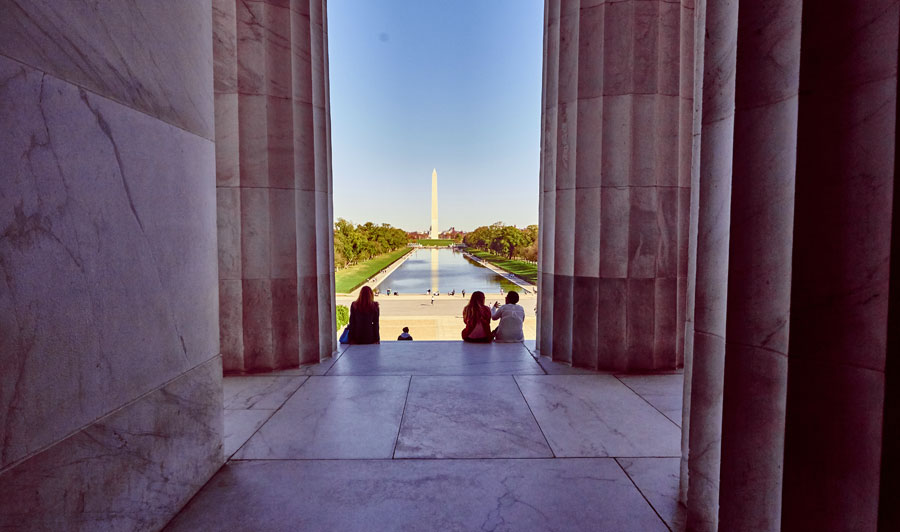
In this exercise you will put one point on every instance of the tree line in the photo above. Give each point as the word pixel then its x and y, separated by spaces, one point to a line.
pixel 506 240
pixel 355 243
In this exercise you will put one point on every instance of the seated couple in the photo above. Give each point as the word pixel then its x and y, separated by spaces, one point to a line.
pixel 478 316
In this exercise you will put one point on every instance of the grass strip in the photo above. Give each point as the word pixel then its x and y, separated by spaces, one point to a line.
pixel 524 270
pixel 434 242
pixel 349 279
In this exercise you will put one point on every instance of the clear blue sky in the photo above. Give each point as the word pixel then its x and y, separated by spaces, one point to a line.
pixel 447 84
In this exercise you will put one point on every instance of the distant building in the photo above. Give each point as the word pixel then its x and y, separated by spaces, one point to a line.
pixel 452 234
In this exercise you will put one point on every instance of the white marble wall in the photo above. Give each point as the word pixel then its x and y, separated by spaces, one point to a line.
pixel 108 300
pixel 615 183
pixel 273 156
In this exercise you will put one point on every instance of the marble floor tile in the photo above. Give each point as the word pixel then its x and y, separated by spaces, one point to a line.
pixel 559 368
pixel 240 425
pixel 597 415
pixel 531 346
pixel 333 417
pixel 468 417
pixel 403 495
pixel 657 478
pixel 436 358
pixel 664 392
pixel 264 392
pixel 315 369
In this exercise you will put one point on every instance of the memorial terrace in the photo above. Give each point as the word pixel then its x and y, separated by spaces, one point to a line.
pixel 717 323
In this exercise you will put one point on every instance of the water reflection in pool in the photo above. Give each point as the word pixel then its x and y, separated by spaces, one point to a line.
pixel 442 270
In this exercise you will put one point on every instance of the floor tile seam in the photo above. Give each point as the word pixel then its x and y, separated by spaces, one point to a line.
pixel 273 413
pixel 436 375
pixel 435 459
pixel 633 483
pixel 649 403
pixel 265 393
pixel 536 422
pixel 402 416
pixel 449 458
pixel 333 364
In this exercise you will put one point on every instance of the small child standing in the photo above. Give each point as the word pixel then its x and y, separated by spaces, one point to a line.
pixel 405 335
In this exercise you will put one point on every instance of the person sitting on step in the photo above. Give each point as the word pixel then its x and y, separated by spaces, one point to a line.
pixel 511 316
pixel 405 334
pixel 477 317
pixel 364 314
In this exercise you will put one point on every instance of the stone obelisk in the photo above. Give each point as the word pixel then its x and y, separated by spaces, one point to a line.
pixel 434 220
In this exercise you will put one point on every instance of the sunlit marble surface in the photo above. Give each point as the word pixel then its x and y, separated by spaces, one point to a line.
pixel 259 392
pixel 334 417
pixel 436 358
pixel 597 415
pixel 448 495
pixel 663 392
pixel 444 452
pixel 468 417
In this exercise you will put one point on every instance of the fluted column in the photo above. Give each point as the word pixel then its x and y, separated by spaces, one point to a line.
pixel 759 265
pixel 274 183
pixel 846 164
pixel 712 264
pixel 611 205
pixel 548 176
pixel 699 29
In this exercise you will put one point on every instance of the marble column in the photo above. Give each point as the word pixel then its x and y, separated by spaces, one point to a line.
pixel 111 380
pixel 612 208
pixel 274 192
pixel 846 163
pixel 759 265
pixel 713 220
pixel 699 25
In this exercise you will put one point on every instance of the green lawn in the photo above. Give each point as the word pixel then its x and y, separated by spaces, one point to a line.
pixel 434 242
pixel 348 279
pixel 525 270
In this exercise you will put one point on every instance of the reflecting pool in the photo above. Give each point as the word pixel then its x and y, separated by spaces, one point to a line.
pixel 442 270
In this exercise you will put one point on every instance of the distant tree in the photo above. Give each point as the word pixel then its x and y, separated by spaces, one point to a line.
pixel 506 240
pixel 361 242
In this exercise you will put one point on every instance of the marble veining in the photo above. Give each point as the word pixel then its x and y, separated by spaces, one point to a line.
pixel 468 417
pixel 457 495
pixel 84 258
pixel 596 415
pixel 333 417
pixel 259 392
pixel 128 470
pixel 152 56
pixel 657 479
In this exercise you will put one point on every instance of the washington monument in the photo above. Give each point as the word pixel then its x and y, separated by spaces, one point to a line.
pixel 433 233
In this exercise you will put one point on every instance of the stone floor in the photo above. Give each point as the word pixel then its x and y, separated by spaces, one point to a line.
pixel 445 436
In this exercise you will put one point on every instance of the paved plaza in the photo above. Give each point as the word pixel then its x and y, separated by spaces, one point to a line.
pixel 445 436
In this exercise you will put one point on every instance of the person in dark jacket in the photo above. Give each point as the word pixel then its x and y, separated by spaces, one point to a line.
pixel 364 316
pixel 405 335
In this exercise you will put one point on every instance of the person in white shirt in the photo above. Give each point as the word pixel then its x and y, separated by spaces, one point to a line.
pixel 511 316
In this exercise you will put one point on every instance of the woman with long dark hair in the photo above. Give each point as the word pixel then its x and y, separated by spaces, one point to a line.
pixel 364 315
pixel 477 317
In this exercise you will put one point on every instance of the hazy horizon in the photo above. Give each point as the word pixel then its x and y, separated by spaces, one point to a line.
pixel 418 85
